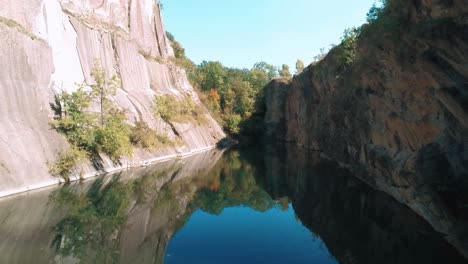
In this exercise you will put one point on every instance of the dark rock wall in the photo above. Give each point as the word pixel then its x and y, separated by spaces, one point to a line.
pixel 398 116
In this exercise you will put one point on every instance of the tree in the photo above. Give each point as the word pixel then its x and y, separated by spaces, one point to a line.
pixel 102 89
pixel 213 100
pixel 299 66
pixel 347 48
pixel 104 131
pixel 210 75
pixel 376 11
pixel 284 72
pixel 271 70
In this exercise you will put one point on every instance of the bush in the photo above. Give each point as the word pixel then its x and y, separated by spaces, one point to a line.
pixel 347 48
pixel 144 137
pixel 104 131
pixel 67 162
pixel 172 110
pixel 113 138
pixel 232 123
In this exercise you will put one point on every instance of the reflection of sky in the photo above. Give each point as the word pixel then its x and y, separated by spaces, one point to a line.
pixel 242 235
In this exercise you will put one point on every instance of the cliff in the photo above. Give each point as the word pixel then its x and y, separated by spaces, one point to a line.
pixel 397 115
pixel 50 45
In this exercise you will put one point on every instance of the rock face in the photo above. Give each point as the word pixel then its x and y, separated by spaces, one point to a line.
pixel 49 45
pixel 398 116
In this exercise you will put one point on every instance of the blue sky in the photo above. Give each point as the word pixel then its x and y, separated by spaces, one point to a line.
pixel 239 33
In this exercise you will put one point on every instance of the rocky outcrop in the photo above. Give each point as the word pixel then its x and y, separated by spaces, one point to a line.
pixel 398 116
pixel 49 45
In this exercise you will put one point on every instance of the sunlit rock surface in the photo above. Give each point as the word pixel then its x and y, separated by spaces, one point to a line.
pixel 49 45
pixel 398 116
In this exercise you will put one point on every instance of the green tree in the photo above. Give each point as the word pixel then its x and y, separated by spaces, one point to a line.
pixel 376 11
pixel 299 66
pixel 104 131
pixel 103 89
pixel 271 70
pixel 347 48
pixel 284 72
pixel 210 75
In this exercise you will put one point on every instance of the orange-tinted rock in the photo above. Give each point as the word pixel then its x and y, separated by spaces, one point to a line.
pixel 398 116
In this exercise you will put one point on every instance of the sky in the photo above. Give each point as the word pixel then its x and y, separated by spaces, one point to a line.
pixel 239 33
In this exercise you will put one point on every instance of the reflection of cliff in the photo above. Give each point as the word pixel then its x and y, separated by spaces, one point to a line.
pixel 357 223
pixel 128 221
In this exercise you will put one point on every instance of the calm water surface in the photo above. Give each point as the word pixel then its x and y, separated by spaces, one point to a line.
pixel 238 206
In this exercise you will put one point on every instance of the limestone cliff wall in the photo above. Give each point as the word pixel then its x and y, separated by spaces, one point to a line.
pixel 398 116
pixel 49 45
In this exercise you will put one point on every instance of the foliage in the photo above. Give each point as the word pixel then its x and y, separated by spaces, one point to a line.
pixel 386 17
pixel 232 123
pixel 143 136
pixel 172 110
pixel 94 219
pixel 347 48
pixel 91 221
pixel 181 59
pixel 210 75
pixel 67 162
pixel 102 90
pixel 299 66
pixel 213 100
pixel 270 70
pixel 231 95
pixel 113 137
pixel 284 72
pixel 234 184
pixel 376 11
pixel 104 131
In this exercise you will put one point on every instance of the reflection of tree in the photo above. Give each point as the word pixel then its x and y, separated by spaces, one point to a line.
pixel 101 221
pixel 236 184
pixel 89 231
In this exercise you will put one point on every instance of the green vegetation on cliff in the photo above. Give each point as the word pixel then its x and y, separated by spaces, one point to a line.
pixel 233 96
pixel 105 130
pixel 172 110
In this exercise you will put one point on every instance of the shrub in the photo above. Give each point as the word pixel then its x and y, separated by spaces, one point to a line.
pixel 172 110
pixel 113 138
pixel 143 136
pixel 67 162
pixel 105 130
pixel 232 123
pixel 347 48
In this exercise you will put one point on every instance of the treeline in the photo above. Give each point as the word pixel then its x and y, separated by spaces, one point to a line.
pixel 233 96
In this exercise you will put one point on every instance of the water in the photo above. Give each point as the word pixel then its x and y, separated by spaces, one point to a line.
pixel 244 235
pixel 240 206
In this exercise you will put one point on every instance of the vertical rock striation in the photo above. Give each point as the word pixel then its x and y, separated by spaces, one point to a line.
pixel 49 45
pixel 398 116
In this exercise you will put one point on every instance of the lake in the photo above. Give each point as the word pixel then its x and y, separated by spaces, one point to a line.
pixel 244 205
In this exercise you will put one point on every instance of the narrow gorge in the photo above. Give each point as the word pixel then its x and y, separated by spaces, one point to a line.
pixel 118 148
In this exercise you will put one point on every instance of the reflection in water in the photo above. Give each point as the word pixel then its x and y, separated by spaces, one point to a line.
pixel 89 229
pixel 131 217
